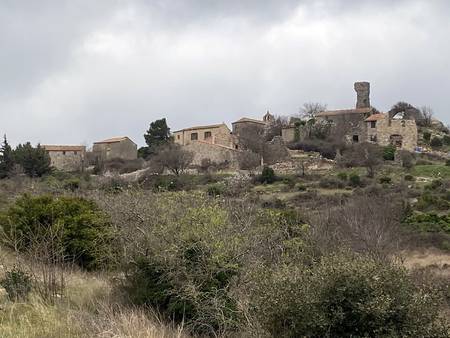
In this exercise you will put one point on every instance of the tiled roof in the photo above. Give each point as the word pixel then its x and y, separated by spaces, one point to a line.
pixel 246 119
pixel 345 112
pixel 375 117
pixel 211 126
pixel 114 140
pixel 63 148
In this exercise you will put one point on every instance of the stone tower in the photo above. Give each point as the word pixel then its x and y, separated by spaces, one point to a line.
pixel 363 94
pixel 268 118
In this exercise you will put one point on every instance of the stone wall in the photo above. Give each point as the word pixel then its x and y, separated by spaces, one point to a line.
pixel 275 151
pixel 216 153
pixel 124 149
pixel 219 134
pixel 386 128
pixel 67 160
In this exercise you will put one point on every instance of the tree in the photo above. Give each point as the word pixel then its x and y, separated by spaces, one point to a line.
pixel 308 113
pixel 6 159
pixel 35 161
pixel 427 115
pixel 174 158
pixel 157 135
pixel 365 155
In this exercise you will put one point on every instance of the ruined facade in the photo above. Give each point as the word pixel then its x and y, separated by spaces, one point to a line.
pixel 213 134
pixel 400 132
pixel 115 148
pixel 67 158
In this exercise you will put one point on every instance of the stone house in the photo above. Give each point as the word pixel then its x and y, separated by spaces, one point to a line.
pixel 351 122
pixel 397 130
pixel 250 128
pixel 115 148
pixel 67 158
pixel 218 134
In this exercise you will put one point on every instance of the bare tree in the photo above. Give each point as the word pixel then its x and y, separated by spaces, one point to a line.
pixel 366 155
pixel 174 158
pixel 249 160
pixel 309 110
pixel 427 114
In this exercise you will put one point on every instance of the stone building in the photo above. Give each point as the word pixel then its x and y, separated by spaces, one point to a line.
pixel 218 134
pixel 398 130
pixel 67 158
pixel 351 122
pixel 216 153
pixel 115 148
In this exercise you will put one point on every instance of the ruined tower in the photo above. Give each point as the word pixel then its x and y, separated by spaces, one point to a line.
pixel 363 94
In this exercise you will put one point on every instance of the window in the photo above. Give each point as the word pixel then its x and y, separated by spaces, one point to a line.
pixel 207 134
pixel 178 137
pixel 355 138
pixel 373 124
pixel 403 124
pixel 64 153
pixel 194 136
pixel 75 152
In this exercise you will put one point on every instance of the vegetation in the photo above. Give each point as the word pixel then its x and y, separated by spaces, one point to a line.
pixel 157 136
pixel 78 227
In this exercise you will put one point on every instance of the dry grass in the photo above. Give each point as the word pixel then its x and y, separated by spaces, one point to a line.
pixel 86 310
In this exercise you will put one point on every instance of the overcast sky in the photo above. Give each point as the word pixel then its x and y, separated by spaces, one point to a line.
pixel 76 71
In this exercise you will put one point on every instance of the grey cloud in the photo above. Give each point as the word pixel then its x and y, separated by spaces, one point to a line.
pixel 77 71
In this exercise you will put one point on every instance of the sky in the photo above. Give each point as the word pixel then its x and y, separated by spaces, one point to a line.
pixel 79 71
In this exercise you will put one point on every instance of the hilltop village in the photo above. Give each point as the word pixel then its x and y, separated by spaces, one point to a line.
pixel 274 139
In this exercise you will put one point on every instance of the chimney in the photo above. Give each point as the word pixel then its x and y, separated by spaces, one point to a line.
pixel 362 94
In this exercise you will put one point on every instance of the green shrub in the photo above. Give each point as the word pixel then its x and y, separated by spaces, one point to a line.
pixel 385 180
pixel 345 295
pixel 447 163
pixel 85 232
pixel 72 184
pixel 342 176
pixel 355 180
pixel 427 136
pixel 274 203
pixel 216 189
pixel 434 185
pixel 389 153
pixel 436 142
pixel 267 176
pixel 409 178
pixel 429 222
pixel 446 140
pixel 17 284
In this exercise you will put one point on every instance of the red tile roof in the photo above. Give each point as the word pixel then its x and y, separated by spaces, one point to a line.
pixel 375 117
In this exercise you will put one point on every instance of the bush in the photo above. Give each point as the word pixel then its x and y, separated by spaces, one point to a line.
pixel 436 142
pixel 325 149
pixel 436 184
pixel 86 232
pixel 342 176
pixel 427 136
pixel 267 176
pixel 331 183
pixel 355 180
pixel 406 159
pixel 446 140
pixel 72 184
pixel 409 178
pixel 447 163
pixel 17 283
pixel 385 180
pixel 216 189
pixel 345 295
pixel 389 153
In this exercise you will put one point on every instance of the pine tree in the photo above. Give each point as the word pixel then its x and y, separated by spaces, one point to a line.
pixel 34 161
pixel 6 159
pixel 156 136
